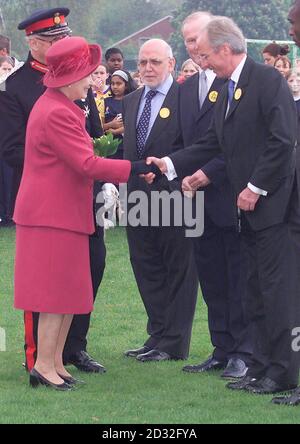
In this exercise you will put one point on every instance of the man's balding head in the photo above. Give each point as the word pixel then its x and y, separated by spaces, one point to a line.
pixel 192 28
pixel 156 62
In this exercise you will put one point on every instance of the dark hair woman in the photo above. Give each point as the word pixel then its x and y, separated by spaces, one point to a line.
pixel 272 51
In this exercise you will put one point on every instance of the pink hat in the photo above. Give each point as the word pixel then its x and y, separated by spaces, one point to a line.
pixel 69 60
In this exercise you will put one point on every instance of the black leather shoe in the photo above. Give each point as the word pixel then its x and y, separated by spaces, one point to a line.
pixel 236 368
pixel 154 356
pixel 292 400
pixel 85 363
pixel 138 351
pixel 241 384
pixel 266 386
pixel 36 379
pixel 210 364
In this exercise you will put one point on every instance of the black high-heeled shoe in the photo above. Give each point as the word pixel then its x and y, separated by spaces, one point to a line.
pixel 36 379
pixel 70 380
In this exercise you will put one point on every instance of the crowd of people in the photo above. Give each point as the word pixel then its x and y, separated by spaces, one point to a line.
pixel 226 125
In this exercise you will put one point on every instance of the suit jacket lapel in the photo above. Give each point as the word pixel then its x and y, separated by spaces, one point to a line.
pixel 242 85
pixel 160 124
pixel 192 97
pixel 208 102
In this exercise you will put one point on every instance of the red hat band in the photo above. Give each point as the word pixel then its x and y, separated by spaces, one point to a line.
pixel 78 61
pixel 47 23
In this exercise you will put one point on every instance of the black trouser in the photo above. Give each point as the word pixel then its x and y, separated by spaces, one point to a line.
pixel 5 191
pixel 76 340
pixel 220 269
pixel 165 272
pixel 272 301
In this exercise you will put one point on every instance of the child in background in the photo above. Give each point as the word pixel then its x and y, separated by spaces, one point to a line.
pixel 121 84
pixel 100 89
pixel 6 67
pixel 293 80
pixel 283 64
pixel 188 69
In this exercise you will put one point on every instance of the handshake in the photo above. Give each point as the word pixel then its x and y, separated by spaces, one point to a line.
pixel 153 167
pixel 149 169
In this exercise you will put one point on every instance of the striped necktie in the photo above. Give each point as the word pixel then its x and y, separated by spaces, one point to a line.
pixel 203 88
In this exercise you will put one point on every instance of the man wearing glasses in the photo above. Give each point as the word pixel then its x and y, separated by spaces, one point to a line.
pixel 20 92
pixel 161 256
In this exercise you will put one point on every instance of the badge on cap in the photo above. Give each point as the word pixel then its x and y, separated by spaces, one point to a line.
pixel 165 113
pixel 238 94
pixel 213 96
pixel 57 19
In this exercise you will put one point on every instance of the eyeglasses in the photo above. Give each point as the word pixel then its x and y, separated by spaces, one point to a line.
pixel 152 62
pixel 206 56
pixel 51 41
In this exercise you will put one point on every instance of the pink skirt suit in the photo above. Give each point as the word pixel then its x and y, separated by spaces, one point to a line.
pixel 54 213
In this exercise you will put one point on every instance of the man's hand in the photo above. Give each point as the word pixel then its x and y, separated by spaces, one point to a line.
pixel 199 180
pixel 116 123
pixel 160 163
pixel 149 178
pixel 187 190
pixel 247 200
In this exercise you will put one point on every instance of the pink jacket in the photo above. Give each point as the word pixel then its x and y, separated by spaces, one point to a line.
pixel 60 167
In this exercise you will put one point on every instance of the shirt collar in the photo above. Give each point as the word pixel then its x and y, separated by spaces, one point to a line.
pixel 163 88
pixel 209 74
pixel 235 76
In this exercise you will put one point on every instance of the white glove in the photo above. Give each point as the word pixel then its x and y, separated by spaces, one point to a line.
pixel 111 203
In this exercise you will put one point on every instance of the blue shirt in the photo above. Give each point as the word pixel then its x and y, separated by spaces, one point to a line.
pixel 156 102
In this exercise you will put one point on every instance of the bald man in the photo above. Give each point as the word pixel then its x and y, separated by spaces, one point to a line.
pixel 161 256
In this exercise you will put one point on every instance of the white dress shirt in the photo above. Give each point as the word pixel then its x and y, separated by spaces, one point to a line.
pixel 156 102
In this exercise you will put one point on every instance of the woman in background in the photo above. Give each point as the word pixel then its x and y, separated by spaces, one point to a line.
pixel 283 64
pixel 272 51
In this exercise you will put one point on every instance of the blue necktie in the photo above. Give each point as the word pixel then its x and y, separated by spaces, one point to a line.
pixel 231 86
pixel 143 125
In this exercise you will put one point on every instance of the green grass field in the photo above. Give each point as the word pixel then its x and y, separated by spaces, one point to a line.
pixel 130 392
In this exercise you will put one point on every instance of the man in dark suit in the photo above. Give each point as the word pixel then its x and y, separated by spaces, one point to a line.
pixel 220 242
pixel 22 90
pixel 294 19
pixel 254 126
pixel 161 256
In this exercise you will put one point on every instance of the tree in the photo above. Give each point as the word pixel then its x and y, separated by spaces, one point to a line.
pixel 257 19
pixel 82 18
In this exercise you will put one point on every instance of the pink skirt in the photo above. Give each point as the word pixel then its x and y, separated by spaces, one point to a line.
pixel 52 271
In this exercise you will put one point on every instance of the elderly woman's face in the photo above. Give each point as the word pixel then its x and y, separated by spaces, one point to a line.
pixel 79 90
